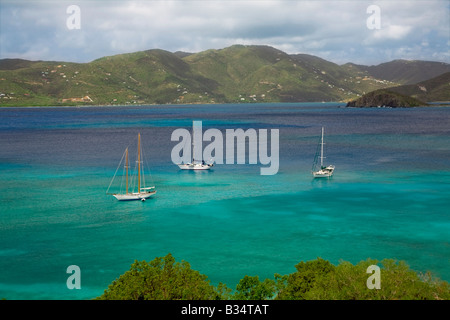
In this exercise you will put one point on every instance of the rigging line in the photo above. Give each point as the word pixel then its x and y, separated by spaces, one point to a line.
pixel 123 155
pixel 316 156
pixel 146 167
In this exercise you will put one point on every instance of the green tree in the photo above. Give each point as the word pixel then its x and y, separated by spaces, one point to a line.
pixel 295 286
pixel 161 279
pixel 398 281
pixel 164 278
pixel 251 288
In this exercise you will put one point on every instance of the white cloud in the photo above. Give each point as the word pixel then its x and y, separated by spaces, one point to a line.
pixel 334 30
pixel 395 32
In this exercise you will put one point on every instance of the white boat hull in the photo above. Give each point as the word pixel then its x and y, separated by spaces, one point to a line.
pixel 134 196
pixel 320 174
pixel 324 172
pixel 195 166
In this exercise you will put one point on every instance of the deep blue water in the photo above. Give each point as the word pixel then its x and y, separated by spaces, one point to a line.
pixel 389 196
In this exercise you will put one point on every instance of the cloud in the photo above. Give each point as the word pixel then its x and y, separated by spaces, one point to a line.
pixel 395 32
pixel 334 30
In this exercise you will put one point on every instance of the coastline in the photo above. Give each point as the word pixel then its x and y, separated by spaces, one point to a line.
pixel 338 103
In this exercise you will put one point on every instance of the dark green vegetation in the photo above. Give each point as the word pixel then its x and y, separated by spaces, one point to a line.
pixel 165 279
pixel 161 279
pixel 435 89
pixel 385 98
pixel 234 74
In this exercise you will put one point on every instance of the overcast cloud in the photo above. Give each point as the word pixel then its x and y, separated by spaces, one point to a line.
pixel 334 30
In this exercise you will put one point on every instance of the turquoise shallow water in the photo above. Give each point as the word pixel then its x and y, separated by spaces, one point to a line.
pixel 389 197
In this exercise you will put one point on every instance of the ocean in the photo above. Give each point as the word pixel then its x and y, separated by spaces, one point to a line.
pixel 388 198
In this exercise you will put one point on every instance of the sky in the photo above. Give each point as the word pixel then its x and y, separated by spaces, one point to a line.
pixel 362 32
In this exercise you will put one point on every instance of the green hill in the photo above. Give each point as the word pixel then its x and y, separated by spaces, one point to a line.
pixel 259 73
pixel 435 89
pixel 404 71
pixel 385 98
pixel 234 74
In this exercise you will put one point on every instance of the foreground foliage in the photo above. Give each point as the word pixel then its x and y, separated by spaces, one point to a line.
pixel 320 280
pixel 161 279
pixel 165 279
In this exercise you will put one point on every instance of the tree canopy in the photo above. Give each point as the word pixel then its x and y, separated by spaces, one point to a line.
pixel 160 279
pixel 165 279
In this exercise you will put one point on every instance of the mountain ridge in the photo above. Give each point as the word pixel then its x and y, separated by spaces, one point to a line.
pixel 238 73
pixel 438 88
pixel 405 71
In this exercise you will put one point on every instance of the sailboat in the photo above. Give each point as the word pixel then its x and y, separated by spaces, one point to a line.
pixel 195 164
pixel 322 171
pixel 142 191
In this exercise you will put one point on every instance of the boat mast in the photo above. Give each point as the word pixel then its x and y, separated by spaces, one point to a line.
pixel 126 167
pixel 193 145
pixel 139 163
pixel 321 151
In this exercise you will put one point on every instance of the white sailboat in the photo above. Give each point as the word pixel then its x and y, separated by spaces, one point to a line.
pixel 195 164
pixel 322 171
pixel 142 191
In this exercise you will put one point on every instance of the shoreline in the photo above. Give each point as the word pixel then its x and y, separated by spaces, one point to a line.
pixel 338 103
pixel 175 105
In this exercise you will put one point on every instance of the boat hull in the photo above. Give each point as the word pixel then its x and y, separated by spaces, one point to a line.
pixel 134 196
pixel 324 172
pixel 195 166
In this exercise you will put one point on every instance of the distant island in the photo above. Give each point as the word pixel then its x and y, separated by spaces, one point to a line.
pixel 236 74
pixel 385 99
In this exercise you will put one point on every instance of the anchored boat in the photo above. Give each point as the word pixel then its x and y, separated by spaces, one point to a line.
pixel 321 171
pixel 135 180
